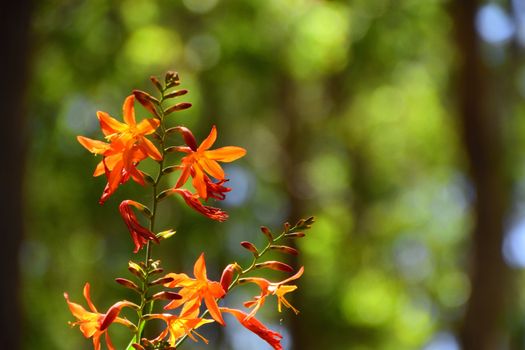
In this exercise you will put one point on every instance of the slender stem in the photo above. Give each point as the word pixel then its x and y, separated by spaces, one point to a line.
pixel 147 306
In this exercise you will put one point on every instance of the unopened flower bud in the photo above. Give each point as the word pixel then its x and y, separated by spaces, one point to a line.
pixel 147 101
pixel 227 276
pixel 156 82
pixel 165 295
pixel 162 280
pixel 284 249
pixel 176 93
pixel 249 246
pixel 266 231
pixel 128 284
pixel 178 107
pixel 274 265
pixel 136 270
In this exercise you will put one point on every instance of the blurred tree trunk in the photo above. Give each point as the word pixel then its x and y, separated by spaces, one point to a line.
pixel 481 132
pixel 14 23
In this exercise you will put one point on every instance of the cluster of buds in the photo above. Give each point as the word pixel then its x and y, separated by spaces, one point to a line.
pixel 181 302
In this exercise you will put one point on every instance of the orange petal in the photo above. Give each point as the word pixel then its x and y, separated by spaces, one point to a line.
pixel 100 169
pixel 94 146
pixel 88 298
pixel 129 110
pixel 110 125
pixel 199 269
pixel 199 184
pixel 186 171
pixel 148 126
pixel 226 154
pixel 294 277
pixel 149 148
pixel 212 167
pixel 213 308
pixel 77 310
pixel 208 141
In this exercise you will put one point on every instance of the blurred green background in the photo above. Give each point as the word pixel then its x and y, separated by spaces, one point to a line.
pixel 349 112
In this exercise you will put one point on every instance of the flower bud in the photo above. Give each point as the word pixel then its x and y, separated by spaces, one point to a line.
pixel 266 231
pixel 295 235
pixel 136 270
pixel 165 295
pixel 249 246
pixel 274 265
pixel 172 79
pixel 156 82
pixel 178 107
pixel 162 280
pixel 166 234
pixel 147 101
pixel 176 93
pixel 128 284
pixel 284 249
pixel 227 276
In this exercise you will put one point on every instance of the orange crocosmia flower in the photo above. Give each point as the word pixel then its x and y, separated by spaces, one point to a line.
pixel 194 290
pixel 201 160
pixel 139 234
pixel 268 288
pixel 179 326
pixel 93 324
pixel 271 337
pixel 127 146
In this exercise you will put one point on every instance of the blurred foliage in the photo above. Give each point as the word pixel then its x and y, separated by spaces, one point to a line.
pixel 375 155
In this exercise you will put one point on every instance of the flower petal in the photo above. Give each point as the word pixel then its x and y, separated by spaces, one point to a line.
pixel 94 146
pixel 212 167
pixel 208 141
pixel 226 154
pixel 129 111
pixel 110 125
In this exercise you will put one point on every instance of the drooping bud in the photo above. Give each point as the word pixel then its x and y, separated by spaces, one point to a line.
pixel 249 246
pixel 188 137
pixel 274 265
pixel 295 235
pixel 284 249
pixel 266 231
pixel 164 194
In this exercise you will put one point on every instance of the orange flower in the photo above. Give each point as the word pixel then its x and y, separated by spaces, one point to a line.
pixel 179 326
pixel 139 234
pixel 271 337
pixel 201 161
pixel 194 290
pixel 268 288
pixel 193 201
pixel 94 324
pixel 128 146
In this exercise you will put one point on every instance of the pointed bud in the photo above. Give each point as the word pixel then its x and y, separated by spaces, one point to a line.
pixel 137 346
pixel 287 227
pixel 178 107
pixel 148 178
pixel 147 101
pixel 128 284
pixel 295 235
pixel 227 276
pixel 266 231
pixel 162 280
pixel 156 271
pixel 176 94
pixel 274 265
pixel 136 270
pixel 249 246
pixel 165 234
pixel 156 82
pixel 284 249
pixel 165 295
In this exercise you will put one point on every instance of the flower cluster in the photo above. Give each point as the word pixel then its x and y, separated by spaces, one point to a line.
pixel 184 303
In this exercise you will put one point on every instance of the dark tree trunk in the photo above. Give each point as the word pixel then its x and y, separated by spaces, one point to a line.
pixel 14 24
pixel 481 132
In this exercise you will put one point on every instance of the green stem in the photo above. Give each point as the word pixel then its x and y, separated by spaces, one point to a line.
pixel 147 306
